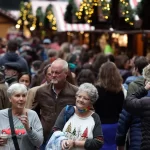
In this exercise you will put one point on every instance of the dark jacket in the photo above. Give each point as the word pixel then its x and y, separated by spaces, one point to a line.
pixel 13 57
pixel 139 105
pixel 48 107
pixel 127 121
pixel 109 105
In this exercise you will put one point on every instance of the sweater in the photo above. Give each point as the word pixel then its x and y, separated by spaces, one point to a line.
pixel 92 134
pixel 27 140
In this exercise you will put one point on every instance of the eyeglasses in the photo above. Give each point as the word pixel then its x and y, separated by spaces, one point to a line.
pixel 83 97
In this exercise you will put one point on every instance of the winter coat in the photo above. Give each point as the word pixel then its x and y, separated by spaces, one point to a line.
pixel 127 121
pixel 138 105
pixel 14 57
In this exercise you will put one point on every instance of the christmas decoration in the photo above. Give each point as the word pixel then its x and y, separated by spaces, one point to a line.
pixel 85 134
pixel 84 14
pixel 105 6
pixel 26 18
pixel 69 128
pixel 71 9
pixel 49 19
pixel 127 12
pixel 40 18
pixel 74 132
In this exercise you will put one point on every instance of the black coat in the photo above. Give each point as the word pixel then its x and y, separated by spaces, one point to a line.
pixel 139 105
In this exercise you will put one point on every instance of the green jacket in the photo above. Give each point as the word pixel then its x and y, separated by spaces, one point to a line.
pixel 133 86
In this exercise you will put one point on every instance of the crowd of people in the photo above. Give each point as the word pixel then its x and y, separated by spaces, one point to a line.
pixel 66 96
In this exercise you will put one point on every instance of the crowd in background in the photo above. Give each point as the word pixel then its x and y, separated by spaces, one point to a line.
pixel 39 66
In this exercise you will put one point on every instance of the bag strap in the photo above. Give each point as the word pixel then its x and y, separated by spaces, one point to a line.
pixel 69 111
pixel 14 138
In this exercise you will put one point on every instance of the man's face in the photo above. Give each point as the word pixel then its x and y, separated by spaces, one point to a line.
pixel 10 72
pixel 58 74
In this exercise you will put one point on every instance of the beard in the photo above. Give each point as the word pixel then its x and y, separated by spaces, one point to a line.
pixel 54 81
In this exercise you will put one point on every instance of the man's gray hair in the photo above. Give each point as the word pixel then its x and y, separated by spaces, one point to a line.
pixel 16 88
pixel 62 62
pixel 90 89
pixel 146 73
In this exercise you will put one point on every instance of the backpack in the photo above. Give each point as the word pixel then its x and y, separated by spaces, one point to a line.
pixel 69 111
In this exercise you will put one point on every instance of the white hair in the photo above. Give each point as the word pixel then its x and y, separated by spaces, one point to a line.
pixel 16 88
pixel 90 89
pixel 146 73
pixel 62 62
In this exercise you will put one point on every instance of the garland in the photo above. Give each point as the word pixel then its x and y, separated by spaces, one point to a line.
pixel 127 12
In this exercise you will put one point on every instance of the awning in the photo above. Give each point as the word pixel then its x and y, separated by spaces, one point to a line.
pixel 59 8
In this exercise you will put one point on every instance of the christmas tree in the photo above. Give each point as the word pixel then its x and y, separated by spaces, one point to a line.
pixel 26 18
pixel 49 19
pixel 85 133
pixel 69 128
pixel 40 18
pixel 71 9
pixel 74 132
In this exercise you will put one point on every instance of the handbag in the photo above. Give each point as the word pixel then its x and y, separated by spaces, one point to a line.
pixel 14 137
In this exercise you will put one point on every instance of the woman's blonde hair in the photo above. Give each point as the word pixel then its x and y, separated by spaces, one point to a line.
pixel 109 77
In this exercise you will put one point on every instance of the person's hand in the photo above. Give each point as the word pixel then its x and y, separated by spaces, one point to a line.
pixel 147 86
pixel 67 144
pixel 25 121
pixel 3 141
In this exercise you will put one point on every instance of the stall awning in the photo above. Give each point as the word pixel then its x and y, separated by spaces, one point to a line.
pixel 59 10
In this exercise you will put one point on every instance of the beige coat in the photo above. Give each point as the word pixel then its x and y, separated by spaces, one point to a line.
pixel 31 96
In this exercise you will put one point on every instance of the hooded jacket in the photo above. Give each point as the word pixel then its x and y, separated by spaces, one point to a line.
pixel 14 57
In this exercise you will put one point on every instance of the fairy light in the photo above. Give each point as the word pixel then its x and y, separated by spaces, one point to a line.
pixel 127 12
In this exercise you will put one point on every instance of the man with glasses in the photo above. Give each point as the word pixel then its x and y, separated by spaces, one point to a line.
pixel 52 98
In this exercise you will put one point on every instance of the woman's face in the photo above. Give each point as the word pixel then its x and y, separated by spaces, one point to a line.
pixel 83 100
pixel 25 79
pixel 18 100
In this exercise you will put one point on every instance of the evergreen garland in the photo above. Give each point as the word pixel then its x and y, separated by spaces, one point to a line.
pixel 105 6
pixel 49 19
pixel 71 9
pixel 127 12
pixel 40 18
pixel 26 16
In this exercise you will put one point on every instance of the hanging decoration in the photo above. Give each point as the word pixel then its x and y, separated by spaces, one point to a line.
pixel 69 15
pixel 49 19
pixel 105 7
pixel 40 18
pixel 86 9
pixel 31 22
pixel 127 12
pixel 26 19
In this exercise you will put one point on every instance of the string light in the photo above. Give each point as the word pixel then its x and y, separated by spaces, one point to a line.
pixel 127 12
pixel 29 20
